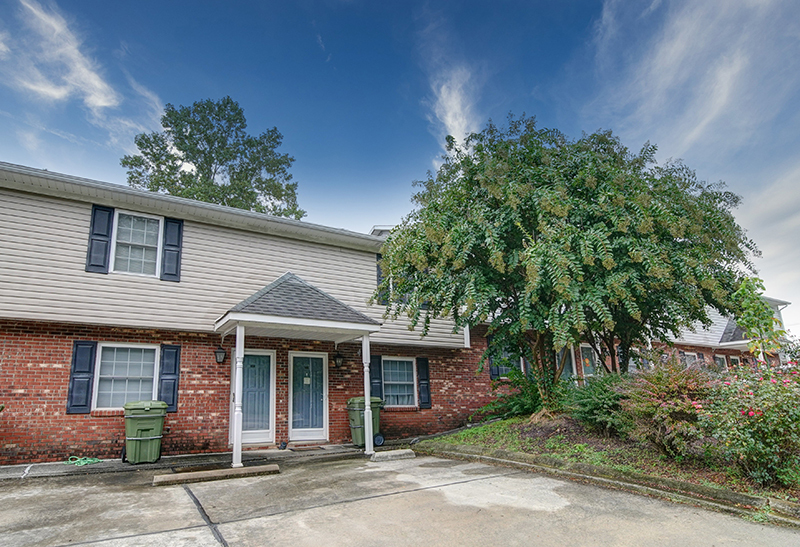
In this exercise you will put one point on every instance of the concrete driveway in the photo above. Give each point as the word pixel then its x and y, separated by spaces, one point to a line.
pixel 422 501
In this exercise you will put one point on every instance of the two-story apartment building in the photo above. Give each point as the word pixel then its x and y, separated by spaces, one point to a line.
pixel 110 294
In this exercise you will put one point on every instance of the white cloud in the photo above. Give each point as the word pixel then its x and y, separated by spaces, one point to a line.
pixel 56 67
pixel 453 105
pixel 687 72
pixel 48 62
pixel 455 84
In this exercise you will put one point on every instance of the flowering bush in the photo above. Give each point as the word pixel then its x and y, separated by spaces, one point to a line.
pixel 664 405
pixel 756 416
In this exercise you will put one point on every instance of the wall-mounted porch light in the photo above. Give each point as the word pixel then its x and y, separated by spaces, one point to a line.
pixel 338 359
pixel 219 355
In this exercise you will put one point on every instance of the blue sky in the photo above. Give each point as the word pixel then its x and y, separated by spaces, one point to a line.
pixel 365 92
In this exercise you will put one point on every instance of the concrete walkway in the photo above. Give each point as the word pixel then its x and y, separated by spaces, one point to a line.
pixel 357 502
pixel 191 462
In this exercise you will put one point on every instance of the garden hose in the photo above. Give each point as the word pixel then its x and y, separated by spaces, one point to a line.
pixel 75 460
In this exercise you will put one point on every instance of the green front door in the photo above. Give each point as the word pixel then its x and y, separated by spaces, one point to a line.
pixel 257 399
pixel 308 397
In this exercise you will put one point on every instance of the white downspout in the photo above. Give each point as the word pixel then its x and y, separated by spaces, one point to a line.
pixel 368 433
pixel 237 398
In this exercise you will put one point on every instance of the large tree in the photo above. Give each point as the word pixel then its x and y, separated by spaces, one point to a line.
pixel 551 241
pixel 205 153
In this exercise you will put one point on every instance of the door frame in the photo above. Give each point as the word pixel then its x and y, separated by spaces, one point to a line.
pixel 313 434
pixel 264 435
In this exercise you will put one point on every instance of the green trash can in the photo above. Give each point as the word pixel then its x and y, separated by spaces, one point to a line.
pixel 355 411
pixel 144 424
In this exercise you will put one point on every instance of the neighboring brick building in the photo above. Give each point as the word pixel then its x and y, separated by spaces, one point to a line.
pixel 110 294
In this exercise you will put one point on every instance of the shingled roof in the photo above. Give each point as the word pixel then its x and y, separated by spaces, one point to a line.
pixel 290 296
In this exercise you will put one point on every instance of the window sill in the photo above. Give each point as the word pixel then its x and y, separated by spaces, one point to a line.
pixel 107 413
pixel 399 409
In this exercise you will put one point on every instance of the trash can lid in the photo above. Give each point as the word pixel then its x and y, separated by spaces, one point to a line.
pixel 145 405
pixel 360 400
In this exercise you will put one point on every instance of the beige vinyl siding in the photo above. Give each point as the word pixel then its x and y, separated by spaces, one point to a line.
pixel 42 274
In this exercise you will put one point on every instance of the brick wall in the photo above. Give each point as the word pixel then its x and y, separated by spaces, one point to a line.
pixel 35 363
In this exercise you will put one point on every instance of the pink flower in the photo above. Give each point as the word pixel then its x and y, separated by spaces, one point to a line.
pixel 727 383
pixel 744 412
pixel 751 413
pixel 773 381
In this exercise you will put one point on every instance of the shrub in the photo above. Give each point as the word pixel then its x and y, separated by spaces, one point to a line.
pixel 597 403
pixel 521 396
pixel 663 405
pixel 755 416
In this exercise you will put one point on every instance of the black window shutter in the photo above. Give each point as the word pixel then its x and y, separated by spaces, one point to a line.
pixel 168 377
pixel 701 357
pixel 171 253
pixel 424 380
pixel 81 377
pixel 99 239
pixel 376 376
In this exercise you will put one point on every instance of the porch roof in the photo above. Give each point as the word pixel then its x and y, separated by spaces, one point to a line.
pixel 289 307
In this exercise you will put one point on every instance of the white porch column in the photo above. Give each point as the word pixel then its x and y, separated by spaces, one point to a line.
pixel 368 433
pixel 237 398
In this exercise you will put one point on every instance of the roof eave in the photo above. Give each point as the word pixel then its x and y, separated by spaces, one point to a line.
pixel 28 179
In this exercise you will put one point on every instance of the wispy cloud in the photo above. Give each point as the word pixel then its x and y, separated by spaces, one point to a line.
pixel 688 72
pixel 321 45
pixel 455 84
pixel 54 66
pixel 47 61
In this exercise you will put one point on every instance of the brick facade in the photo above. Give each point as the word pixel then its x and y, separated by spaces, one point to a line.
pixel 35 363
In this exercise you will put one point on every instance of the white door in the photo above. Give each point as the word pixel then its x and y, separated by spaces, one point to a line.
pixel 308 396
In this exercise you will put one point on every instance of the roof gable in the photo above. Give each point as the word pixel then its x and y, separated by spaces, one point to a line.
pixel 290 296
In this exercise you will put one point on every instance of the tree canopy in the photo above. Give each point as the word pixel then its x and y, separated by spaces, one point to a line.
pixel 551 241
pixel 205 153
pixel 763 330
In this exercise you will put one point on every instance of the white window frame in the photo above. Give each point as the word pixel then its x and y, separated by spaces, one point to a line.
pixel 686 355
pixel 578 353
pixel 415 386
pixel 98 357
pixel 159 249
pixel 724 360
pixel 738 360
pixel 574 372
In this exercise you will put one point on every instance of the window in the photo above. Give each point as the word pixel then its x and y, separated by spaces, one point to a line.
pixel 501 366
pixel 588 361
pixel 735 361
pixel 136 244
pixel 107 375
pixel 720 364
pixel 399 385
pixel 125 374
pixel 569 365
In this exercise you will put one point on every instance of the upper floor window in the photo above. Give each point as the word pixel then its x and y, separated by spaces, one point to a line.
pixel 136 244
pixel 128 242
